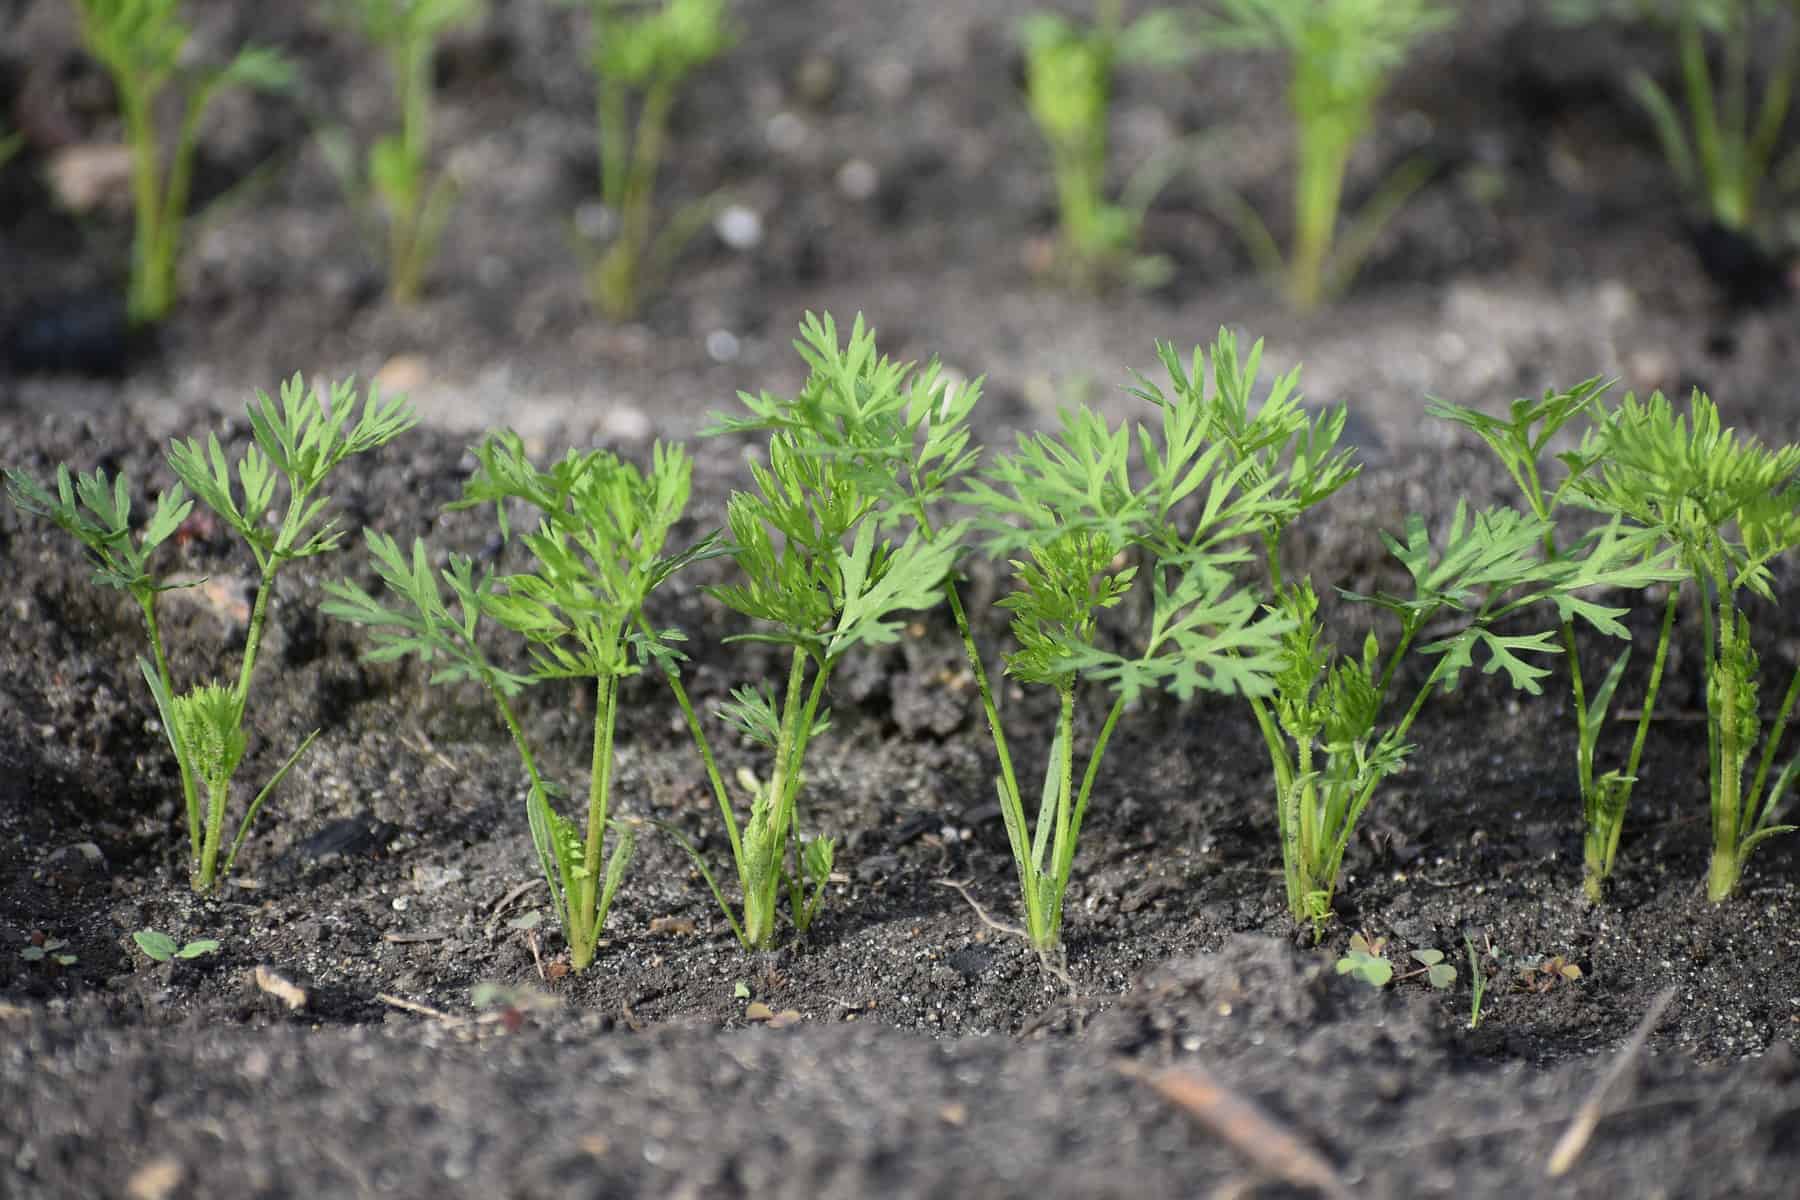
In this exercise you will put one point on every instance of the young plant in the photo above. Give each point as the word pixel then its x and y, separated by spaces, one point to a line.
pixel 823 582
pixel 1367 960
pixel 642 55
pixel 142 44
pixel 160 947
pixel 1520 441
pixel 1068 501
pixel 597 554
pixel 1068 88
pixel 1478 982
pixel 397 177
pixel 298 442
pixel 49 949
pixel 1722 147
pixel 1726 506
pixel 1341 54
pixel 1322 724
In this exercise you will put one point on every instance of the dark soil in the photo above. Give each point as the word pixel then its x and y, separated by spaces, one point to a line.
pixel 925 1053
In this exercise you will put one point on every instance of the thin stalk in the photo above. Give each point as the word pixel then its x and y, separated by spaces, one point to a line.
pixel 189 793
pixel 146 192
pixel 606 713
pixel 1770 745
pixel 1727 783
pixel 1656 671
pixel 1065 851
pixel 1323 161
pixel 1009 784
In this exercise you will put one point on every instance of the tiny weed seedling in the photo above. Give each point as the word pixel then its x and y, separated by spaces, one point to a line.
pixel 1341 55
pixel 597 554
pixel 1520 441
pixel 1543 974
pixel 1722 148
pixel 396 177
pixel 1069 71
pixel 1438 973
pixel 1726 506
pixel 845 462
pixel 1478 981
pixel 641 56
pixel 297 441
pixel 143 44
pixel 1367 960
pixel 160 947
pixel 48 950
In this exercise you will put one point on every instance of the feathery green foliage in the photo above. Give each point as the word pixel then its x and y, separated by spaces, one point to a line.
pixel 641 56
pixel 1726 506
pixel 1520 441
pixel 865 446
pixel 1341 55
pixel 597 553
pixel 298 442
pixel 395 176
pixel 142 44
pixel 1089 523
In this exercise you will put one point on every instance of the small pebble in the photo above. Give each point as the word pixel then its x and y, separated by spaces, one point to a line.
pixel 858 179
pixel 739 227
pixel 722 346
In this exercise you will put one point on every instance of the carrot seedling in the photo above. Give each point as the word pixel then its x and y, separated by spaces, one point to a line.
pixel 1069 69
pixel 821 581
pixel 299 441
pixel 1727 507
pixel 1721 136
pixel 641 56
pixel 597 554
pixel 143 46
pixel 397 179
pixel 1520 441
pixel 1341 55
pixel 1083 529
pixel 1322 720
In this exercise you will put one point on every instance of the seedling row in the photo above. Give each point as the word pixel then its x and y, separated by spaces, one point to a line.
pixel 870 498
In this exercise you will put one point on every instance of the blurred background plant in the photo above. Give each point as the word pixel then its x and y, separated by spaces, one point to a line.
pixel 143 45
pixel 641 55
pixel 392 183
pixel 1341 55
pixel 1721 130
pixel 1069 71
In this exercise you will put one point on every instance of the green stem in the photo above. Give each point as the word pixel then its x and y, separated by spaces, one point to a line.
pixel 1065 849
pixel 1656 672
pixel 606 712
pixel 1011 806
pixel 1754 803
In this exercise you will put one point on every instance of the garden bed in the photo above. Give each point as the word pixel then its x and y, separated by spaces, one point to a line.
pixel 905 1046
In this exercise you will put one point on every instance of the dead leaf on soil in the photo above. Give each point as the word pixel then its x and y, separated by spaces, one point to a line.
pixel 760 1012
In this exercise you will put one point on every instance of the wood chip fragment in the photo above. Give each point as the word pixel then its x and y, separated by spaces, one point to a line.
pixel 1270 1146
pixel 1587 1118
pixel 760 1012
pixel 156 1179
pixel 279 986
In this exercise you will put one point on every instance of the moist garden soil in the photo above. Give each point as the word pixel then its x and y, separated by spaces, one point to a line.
pixel 906 1046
